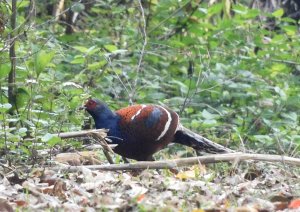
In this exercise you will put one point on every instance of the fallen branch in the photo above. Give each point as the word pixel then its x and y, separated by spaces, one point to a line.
pixel 170 164
pixel 83 133
pixel 99 135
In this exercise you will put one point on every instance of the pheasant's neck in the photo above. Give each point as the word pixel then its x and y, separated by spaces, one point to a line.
pixel 107 120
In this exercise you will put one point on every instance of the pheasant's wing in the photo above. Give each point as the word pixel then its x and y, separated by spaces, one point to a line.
pixel 148 123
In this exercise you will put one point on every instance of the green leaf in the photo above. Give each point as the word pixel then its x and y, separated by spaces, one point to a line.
pixel 51 139
pixel 110 48
pixel 290 30
pixel 292 116
pixel 22 130
pixel 14 138
pixel 278 13
pixel 42 59
pixel 209 122
pixel 263 138
pixel 23 4
pixel 22 97
pixel 82 49
pixel 97 65
pixel 215 9
pixel 5 107
pixel 4 70
pixel 195 123
pixel 78 7
pixel 207 115
pixel 92 50
pixel 281 93
pixel 78 60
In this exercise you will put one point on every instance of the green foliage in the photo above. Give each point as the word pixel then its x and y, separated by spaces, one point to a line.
pixel 244 89
pixel 41 60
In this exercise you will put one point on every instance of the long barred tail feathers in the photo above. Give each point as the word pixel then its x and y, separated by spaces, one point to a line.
pixel 186 137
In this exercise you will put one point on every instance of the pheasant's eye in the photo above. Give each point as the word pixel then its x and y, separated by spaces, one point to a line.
pixel 90 104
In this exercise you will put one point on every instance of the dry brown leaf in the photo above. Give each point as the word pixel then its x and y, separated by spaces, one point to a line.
pixel 84 201
pixel 59 189
pixel 32 188
pixel 140 198
pixel 78 158
pixel 198 210
pixel 184 175
pixel 21 203
pixel 193 173
pixel 295 204
pixel 280 205
pixel 48 190
pixel 5 206
pixel 245 209
pixel 280 198
pixel 72 159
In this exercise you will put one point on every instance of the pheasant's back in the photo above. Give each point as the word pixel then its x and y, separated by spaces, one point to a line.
pixel 145 129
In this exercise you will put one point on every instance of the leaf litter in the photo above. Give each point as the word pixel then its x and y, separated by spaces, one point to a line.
pixel 247 187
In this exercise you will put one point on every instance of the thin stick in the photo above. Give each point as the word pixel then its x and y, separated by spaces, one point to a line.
pixel 99 135
pixel 82 133
pixel 170 164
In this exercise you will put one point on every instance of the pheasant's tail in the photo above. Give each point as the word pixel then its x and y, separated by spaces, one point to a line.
pixel 186 137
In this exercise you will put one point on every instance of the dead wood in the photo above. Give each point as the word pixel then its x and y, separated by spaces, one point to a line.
pixel 99 135
pixel 83 133
pixel 170 164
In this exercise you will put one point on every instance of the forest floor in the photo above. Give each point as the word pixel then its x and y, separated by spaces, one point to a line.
pixel 247 186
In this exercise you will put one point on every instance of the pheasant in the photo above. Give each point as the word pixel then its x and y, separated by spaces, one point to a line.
pixel 142 130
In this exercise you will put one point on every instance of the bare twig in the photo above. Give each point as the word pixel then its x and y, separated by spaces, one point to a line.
pixel 170 164
pixel 161 23
pixel 83 133
pixel 99 135
pixel 286 61
pixel 139 66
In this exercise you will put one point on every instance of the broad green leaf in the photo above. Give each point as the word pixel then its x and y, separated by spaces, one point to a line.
pixel 24 3
pixel 263 138
pixel 22 97
pixel 281 92
pixel 251 13
pixel 22 131
pixel 78 7
pixel 291 116
pixel 278 13
pixel 278 68
pixel 110 48
pixel 97 65
pixel 195 123
pixel 5 107
pixel 92 50
pixel 78 60
pixel 82 49
pixel 14 138
pixel 215 9
pixel 4 70
pixel 42 59
pixel 51 139
pixel 209 122
pixel 290 30
pixel 207 115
